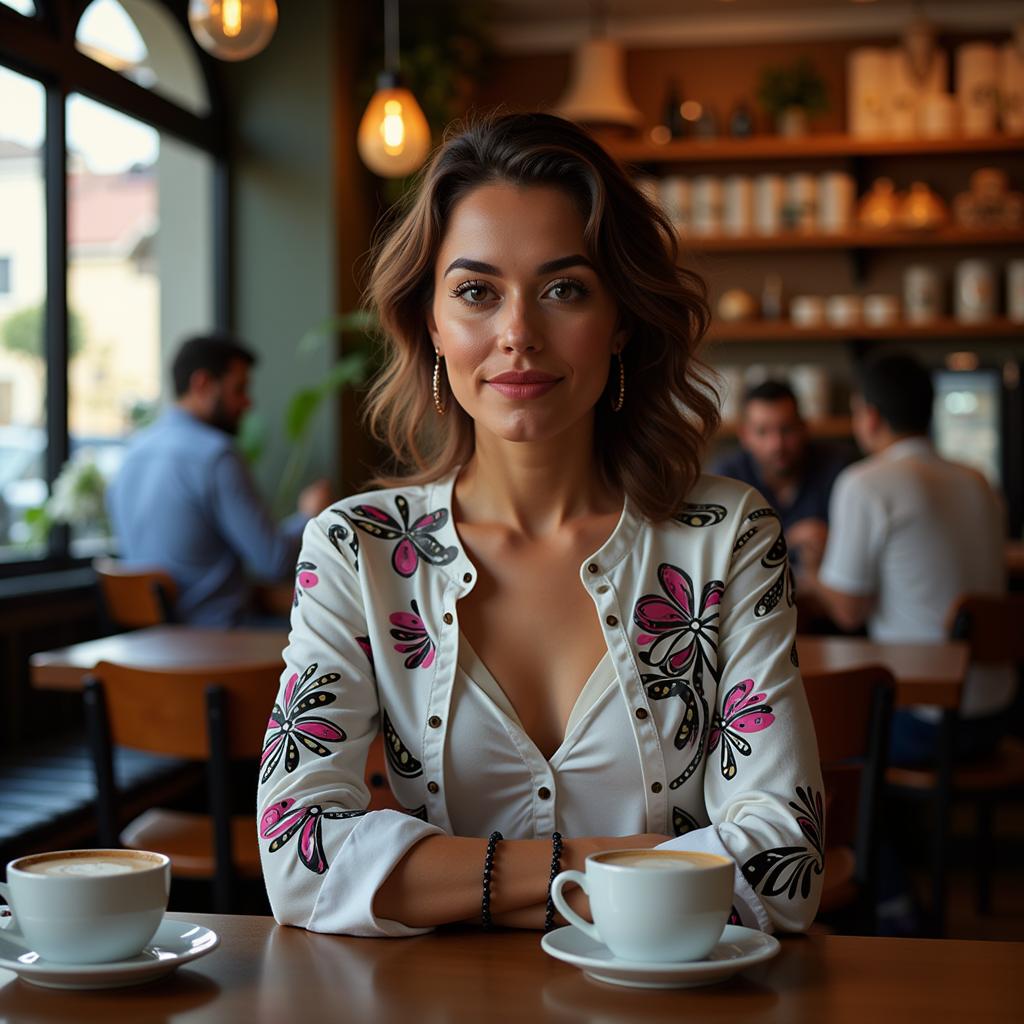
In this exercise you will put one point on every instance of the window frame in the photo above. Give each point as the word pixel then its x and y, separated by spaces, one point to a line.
pixel 42 47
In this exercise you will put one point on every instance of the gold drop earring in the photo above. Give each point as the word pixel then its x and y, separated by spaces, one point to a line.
pixel 438 405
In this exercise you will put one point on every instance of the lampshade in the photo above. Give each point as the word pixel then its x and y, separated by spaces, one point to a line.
pixel 232 29
pixel 394 137
pixel 597 92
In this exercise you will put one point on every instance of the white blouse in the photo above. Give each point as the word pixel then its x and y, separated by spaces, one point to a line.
pixel 694 724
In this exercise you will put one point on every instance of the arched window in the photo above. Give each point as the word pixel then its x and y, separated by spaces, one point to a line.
pixel 113 165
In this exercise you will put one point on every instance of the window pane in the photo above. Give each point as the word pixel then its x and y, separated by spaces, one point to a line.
pixel 140 276
pixel 141 40
pixel 22 296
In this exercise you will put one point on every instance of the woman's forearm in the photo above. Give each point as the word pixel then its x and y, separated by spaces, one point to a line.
pixel 439 881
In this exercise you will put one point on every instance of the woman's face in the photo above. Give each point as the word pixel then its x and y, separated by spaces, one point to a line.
pixel 526 327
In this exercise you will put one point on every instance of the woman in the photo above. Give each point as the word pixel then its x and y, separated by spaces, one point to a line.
pixel 558 624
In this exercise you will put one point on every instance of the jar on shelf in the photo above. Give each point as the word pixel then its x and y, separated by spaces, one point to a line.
pixel 768 199
pixel 922 294
pixel 801 203
pixel 837 193
pixel 921 209
pixel 877 210
pixel 706 211
pixel 975 291
pixel 738 205
pixel 674 194
pixel 1015 291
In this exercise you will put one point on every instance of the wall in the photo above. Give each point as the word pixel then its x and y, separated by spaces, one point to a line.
pixel 281 107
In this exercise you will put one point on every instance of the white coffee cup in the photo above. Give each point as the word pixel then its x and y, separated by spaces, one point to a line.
pixel 652 905
pixel 86 906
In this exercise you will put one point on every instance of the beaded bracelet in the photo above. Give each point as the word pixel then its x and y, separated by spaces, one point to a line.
pixel 485 903
pixel 556 860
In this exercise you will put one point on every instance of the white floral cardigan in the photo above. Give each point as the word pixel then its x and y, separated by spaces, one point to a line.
pixel 703 732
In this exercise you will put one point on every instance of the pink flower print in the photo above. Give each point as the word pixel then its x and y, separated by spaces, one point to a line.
pixel 675 633
pixel 742 713
pixel 414 541
pixel 413 638
pixel 293 725
pixel 280 821
pixel 305 579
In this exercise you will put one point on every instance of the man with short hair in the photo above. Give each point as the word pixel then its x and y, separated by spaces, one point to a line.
pixel 184 499
pixel 794 472
pixel 910 532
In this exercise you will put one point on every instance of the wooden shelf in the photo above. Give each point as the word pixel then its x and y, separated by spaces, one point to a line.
pixel 943 237
pixel 772 147
pixel 829 427
pixel 784 331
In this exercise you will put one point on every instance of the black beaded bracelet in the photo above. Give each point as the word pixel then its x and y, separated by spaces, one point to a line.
pixel 556 861
pixel 485 903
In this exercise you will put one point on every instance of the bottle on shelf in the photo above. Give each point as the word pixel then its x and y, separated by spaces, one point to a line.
pixel 741 121
pixel 771 297
pixel 672 115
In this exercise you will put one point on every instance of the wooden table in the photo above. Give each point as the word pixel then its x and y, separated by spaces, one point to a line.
pixel 924 673
pixel 264 974
pixel 165 647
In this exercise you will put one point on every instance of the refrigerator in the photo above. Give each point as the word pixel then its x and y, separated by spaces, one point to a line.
pixel 978 420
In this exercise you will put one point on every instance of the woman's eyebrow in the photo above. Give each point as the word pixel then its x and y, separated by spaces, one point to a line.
pixel 478 267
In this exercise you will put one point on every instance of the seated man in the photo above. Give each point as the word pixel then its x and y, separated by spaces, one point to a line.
pixel 184 499
pixel 794 472
pixel 910 532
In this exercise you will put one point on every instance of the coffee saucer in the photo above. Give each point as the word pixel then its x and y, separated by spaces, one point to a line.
pixel 737 949
pixel 175 943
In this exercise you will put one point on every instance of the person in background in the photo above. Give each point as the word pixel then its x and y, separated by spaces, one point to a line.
pixel 793 471
pixel 184 499
pixel 910 532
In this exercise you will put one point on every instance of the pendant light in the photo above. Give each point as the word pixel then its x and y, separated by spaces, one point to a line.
pixel 394 137
pixel 597 93
pixel 232 29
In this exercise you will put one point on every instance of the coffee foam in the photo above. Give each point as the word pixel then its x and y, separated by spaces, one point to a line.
pixel 88 864
pixel 661 860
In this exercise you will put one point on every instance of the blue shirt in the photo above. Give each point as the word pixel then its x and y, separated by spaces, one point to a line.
pixel 822 464
pixel 185 501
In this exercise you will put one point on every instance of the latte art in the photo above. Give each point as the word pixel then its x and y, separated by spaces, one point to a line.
pixel 89 865
pixel 661 860
pixel 84 868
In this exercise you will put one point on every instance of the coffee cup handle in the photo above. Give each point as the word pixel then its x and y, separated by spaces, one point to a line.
pixel 564 909
pixel 10 929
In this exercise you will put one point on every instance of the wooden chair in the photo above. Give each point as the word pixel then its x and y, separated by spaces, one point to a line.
pixel 993 626
pixel 851 712
pixel 137 596
pixel 217 716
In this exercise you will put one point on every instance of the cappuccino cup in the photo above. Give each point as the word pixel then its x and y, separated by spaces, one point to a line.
pixel 86 906
pixel 652 905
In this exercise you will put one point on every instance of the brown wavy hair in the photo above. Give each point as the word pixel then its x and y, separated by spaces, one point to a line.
pixel 652 448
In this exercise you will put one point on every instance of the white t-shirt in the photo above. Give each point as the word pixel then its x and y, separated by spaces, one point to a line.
pixel 917 532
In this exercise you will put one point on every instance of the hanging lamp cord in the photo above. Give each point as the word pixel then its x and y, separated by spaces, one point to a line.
pixel 391 35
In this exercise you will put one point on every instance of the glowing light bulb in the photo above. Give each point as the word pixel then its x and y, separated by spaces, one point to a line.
pixel 231 17
pixel 232 29
pixel 394 137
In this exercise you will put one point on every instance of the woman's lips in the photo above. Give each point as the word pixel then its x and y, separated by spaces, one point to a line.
pixel 528 384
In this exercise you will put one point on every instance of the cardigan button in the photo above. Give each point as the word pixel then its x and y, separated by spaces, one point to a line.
pixel 612 620
pixel 434 722
pixel 467 577
pixel 593 568
pixel 544 793
pixel 641 713
pixel 447 617
pixel 603 589
pixel 655 787
pixel 432 787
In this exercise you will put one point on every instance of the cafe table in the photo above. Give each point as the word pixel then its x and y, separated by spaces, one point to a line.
pixel 159 647
pixel 266 974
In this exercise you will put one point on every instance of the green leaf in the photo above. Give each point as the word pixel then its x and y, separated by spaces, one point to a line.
pixel 252 436
pixel 301 410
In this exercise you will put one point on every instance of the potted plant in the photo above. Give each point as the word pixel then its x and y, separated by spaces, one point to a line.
pixel 791 94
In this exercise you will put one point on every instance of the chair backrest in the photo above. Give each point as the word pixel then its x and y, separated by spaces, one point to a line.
pixel 165 712
pixel 851 712
pixel 992 625
pixel 141 596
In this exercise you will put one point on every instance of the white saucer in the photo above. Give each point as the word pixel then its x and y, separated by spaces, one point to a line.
pixel 737 949
pixel 175 943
